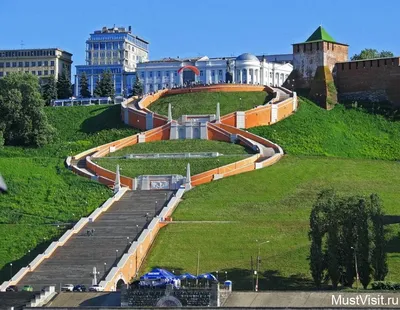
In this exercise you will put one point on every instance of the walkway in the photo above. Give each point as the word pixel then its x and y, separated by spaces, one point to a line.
pixel 122 223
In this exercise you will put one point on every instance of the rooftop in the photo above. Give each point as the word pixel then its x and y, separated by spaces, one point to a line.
pixel 320 34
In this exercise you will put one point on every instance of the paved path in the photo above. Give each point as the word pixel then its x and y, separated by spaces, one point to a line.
pixel 90 299
pixel 74 262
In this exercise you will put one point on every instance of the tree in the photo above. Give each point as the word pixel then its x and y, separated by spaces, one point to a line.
pixel 22 117
pixel 137 87
pixel 378 256
pixel 369 53
pixel 84 86
pixel 49 90
pixel 341 229
pixel 64 89
pixel 105 85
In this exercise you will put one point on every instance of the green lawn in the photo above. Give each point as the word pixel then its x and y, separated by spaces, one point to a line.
pixel 42 193
pixel 182 146
pixel 206 103
pixel 269 204
pixel 136 167
pixel 340 132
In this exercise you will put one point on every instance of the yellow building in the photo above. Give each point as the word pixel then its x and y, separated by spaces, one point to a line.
pixel 40 62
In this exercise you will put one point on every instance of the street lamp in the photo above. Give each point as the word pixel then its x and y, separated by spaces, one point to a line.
pixel 137 229
pixel 217 275
pixel 226 275
pixel 258 262
pixel 10 271
pixel 355 261
pixel 127 240
pixel 116 254
pixel 105 268
pixel 155 208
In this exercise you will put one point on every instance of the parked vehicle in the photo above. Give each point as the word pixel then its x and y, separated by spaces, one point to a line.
pixel 27 288
pixel 12 288
pixel 96 288
pixel 79 288
pixel 67 288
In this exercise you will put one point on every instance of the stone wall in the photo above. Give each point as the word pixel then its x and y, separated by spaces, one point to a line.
pixel 374 80
pixel 157 297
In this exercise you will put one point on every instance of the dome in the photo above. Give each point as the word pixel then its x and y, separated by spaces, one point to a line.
pixel 247 56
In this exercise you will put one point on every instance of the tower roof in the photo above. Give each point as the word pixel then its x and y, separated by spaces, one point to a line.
pixel 320 34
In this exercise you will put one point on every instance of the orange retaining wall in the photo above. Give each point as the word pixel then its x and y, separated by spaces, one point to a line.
pixel 258 116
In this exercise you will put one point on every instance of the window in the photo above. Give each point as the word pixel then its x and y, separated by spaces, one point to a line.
pixel 33 64
pixel 1 64
pixel 39 73
pixel 46 72
pixel 27 64
pixel 298 48
pixel 159 86
pixel 52 72
pixel 220 72
pixel 14 64
pixel 142 75
pixel 46 63
pixel 39 63
pixel 166 73
pixel 26 71
pixel 33 72
pixel 212 72
pixel 151 74
pixel 8 65
pixel 52 63
pixel 201 73
pixel 1 74
pixel 158 73
pixel 20 64
pixel 176 74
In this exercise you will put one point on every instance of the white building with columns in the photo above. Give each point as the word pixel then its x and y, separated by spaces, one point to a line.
pixel 244 69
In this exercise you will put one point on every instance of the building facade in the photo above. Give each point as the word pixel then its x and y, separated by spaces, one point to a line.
pixel 117 50
pixel 244 69
pixel 40 62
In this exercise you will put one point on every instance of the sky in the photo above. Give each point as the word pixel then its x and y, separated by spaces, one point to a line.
pixel 204 27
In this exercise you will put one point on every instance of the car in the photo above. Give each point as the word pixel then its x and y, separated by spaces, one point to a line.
pixel 96 288
pixel 79 288
pixel 67 288
pixel 12 288
pixel 27 288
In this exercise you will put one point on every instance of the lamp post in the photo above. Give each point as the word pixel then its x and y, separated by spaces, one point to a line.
pixel 356 265
pixel 105 268
pixel 155 208
pixel 10 271
pixel 258 262
pixel 217 275
pixel 137 229
pixel 127 240
pixel 226 275
pixel 116 255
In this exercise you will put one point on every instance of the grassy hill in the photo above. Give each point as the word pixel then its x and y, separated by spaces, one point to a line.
pixel 340 132
pixel 42 193
pixel 347 149
pixel 206 103
pixel 136 167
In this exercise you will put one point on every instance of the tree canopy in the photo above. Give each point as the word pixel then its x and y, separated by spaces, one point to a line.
pixel 22 118
pixel 49 90
pixel 347 239
pixel 64 89
pixel 84 86
pixel 137 87
pixel 369 53
pixel 105 85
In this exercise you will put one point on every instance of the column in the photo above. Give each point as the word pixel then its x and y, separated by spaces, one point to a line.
pixel 91 85
pixel 171 79
pixel 234 75
pixel 224 76
pixel 240 76
pixel 155 81
pixel 181 78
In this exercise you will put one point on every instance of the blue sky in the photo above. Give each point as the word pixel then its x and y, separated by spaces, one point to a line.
pixel 203 27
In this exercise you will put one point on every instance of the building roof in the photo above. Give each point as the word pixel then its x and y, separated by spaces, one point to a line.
pixel 320 34
pixel 247 56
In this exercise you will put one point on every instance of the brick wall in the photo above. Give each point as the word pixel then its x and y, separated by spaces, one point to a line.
pixel 374 80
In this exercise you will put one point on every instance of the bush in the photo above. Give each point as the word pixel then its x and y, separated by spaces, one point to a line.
pixel 385 286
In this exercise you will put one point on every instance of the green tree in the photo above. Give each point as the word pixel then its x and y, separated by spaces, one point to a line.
pixel 370 53
pixel 333 246
pixel 378 256
pixel 137 87
pixel 84 86
pixel 363 243
pixel 105 85
pixel 22 118
pixel 64 89
pixel 49 90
